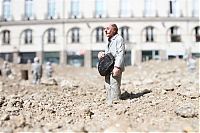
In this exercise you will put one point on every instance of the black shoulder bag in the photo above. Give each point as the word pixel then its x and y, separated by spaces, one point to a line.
pixel 106 64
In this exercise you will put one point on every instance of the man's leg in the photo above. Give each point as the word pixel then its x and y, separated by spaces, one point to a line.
pixel 115 83
pixel 108 89
pixel 34 78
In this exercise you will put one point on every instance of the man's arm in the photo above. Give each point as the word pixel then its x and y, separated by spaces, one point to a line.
pixel 119 60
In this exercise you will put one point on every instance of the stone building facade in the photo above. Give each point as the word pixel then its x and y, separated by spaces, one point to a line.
pixel 71 31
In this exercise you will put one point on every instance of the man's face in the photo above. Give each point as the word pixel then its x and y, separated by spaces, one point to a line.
pixel 109 30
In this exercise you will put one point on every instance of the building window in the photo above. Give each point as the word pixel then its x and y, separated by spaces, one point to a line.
pixel 195 8
pixel 75 58
pixel 174 8
pixel 6 37
pixel 100 8
pixel 51 36
pixel 124 31
pixel 28 36
pixel 27 57
pixel 53 57
pixel 149 34
pixel 125 8
pixel 6 10
pixel 75 8
pixel 127 58
pixel 175 34
pixel 51 9
pixel 28 9
pixel 7 56
pixel 99 34
pixel 149 55
pixel 75 37
pixel 197 34
pixel 149 8
pixel 95 59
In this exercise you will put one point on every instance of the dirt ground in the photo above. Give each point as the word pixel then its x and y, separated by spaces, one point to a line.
pixel 161 96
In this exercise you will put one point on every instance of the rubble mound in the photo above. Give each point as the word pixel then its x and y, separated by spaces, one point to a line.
pixel 161 96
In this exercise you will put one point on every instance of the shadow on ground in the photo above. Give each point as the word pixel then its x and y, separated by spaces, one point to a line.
pixel 126 95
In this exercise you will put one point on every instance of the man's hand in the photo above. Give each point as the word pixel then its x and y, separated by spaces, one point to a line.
pixel 101 54
pixel 116 71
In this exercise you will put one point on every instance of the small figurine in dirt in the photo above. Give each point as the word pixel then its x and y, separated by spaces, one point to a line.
pixel 49 69
pixel 36 71
pixel 191 63
pixel 116 47
pixel 6 69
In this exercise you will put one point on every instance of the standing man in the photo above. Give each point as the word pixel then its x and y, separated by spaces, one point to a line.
pixel 116 47
pixel 6 69
pixel 191 63
pixel 49 70
pixel 36 71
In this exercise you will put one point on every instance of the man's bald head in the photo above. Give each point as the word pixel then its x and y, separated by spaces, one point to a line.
pixel 115 28
pixel 111 30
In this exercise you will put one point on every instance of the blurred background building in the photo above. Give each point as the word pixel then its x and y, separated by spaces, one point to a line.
pixel 71 31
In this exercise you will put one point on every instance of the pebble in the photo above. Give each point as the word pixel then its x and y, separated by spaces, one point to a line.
pixel 187 110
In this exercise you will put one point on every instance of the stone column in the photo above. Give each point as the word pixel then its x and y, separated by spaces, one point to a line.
pixel 138 57
pixel 133 56
pixel 40 55
pixel 16 57
pixel 63 52
pixel 163 54
pixel 63 57
pixel 88 59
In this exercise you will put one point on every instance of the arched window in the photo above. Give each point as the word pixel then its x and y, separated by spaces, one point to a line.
pixel 51 9
pixel 99 34
pixel 6 37
pixel 28 8
pixel 74 35
pixel 124 31
pixel 149 34
pixel 174 34
pixel 6 10
pixel 28 36
pixel 196 34
pixel 51 35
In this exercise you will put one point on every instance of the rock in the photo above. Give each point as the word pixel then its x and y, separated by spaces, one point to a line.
pixel 125 82
pixel 66 84
pixel 11 76
pixel 2 100
pixel 12 109
pixel 118 126
pixel 7 130
pixel 50 81
pixel 169 87
pixel 148 81
pixel 86 112
pixel 190 92
pixel 137 83
pixel 5 117
pixel 187 110
pixel 15 102
pixel 1 86
pixel 20 121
